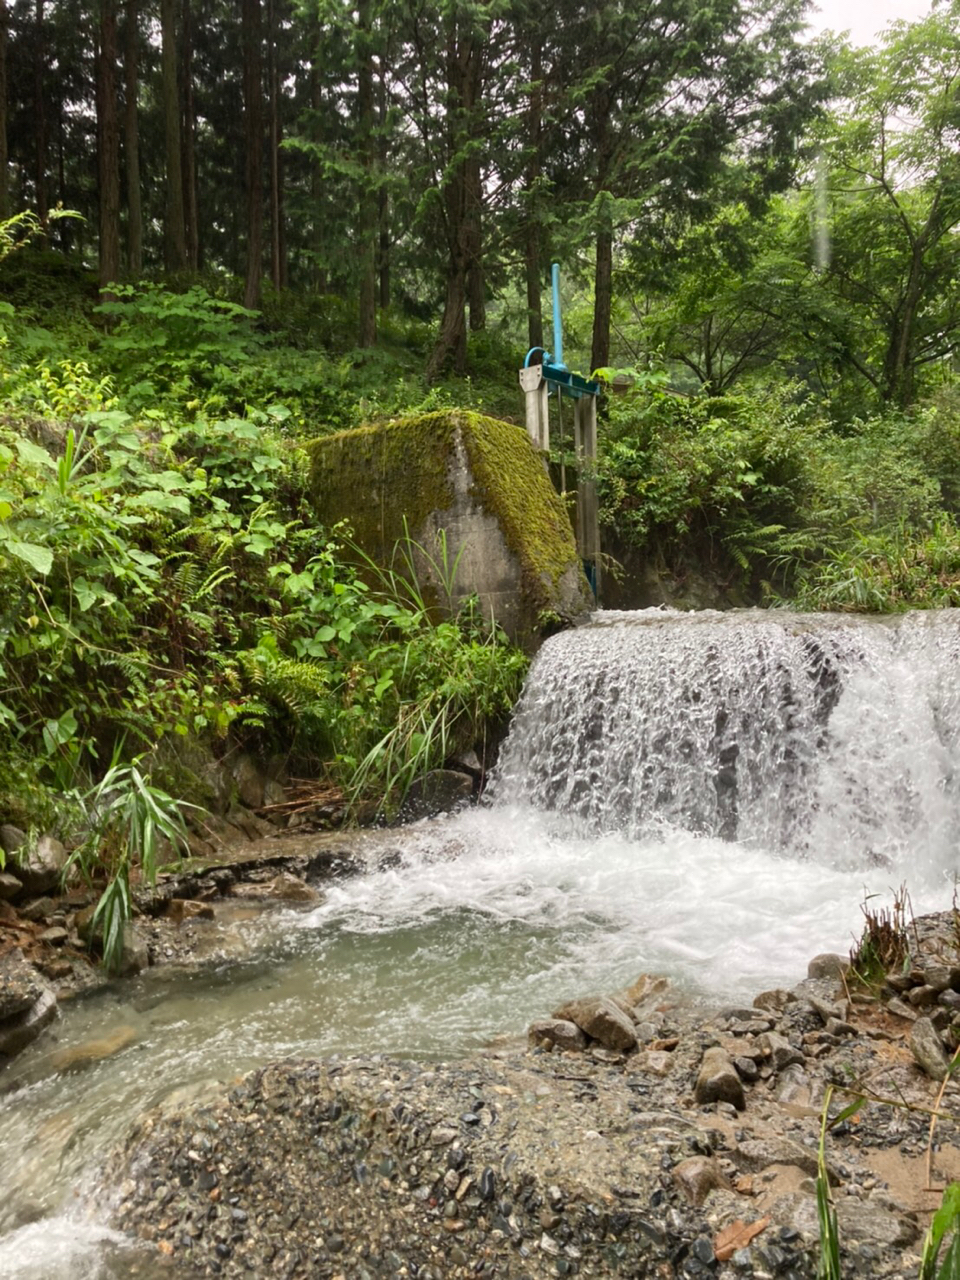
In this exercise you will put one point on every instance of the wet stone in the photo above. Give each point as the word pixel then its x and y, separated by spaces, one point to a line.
pixel 718 1080
pixel 927 1048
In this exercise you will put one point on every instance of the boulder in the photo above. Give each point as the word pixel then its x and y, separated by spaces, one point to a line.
pixel 20 984
pixel 602 1020
pixel 828 965
pixel 559 1032
pixel 10 886
pixel 40 869
pixel 11 838
pixel 28 1002
pixel 927 1047
pixel 440 791
pixel 718 1081
pixel 484 484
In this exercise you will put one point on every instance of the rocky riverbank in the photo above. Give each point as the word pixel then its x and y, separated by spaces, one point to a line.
pixel 195 915
pixel 688 1149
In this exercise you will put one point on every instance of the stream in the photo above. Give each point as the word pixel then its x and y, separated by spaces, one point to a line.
pixel 707 796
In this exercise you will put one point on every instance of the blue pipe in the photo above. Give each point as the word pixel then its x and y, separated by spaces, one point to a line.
pixel 557 322
pixel 547 357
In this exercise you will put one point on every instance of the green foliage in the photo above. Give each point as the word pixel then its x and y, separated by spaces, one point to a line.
pixel 945 1226
pixel 858 517
pixel 705 478
pixel 127 820
pixel 828 1267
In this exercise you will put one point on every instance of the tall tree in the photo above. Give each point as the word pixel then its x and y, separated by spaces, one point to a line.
pixel 664 97
pixel 4 174
pixel 131 137
pixel 40 113
pixel 463 35
pixel 175 239
pixel 108 150
pixel 893 154
pixel 368 221
pixel 191 214
pixel 532 236
pixel 253 143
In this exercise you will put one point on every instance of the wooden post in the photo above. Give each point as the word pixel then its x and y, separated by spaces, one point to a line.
pixel 537 406
pixel 588 520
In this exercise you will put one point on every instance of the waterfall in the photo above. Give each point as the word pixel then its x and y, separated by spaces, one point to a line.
pixel 823 737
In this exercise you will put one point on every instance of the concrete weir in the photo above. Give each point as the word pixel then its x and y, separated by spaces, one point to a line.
pixel 480 482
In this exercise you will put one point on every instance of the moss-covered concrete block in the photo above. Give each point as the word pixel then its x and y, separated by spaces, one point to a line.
pixel 480 481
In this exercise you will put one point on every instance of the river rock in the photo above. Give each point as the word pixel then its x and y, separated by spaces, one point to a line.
pixel 10 886
pixel 779 1050
pixel 927 1047
pixel 11 838
pixel 20 984
pixel 289 888
pixel 942 977
pixel 828 965
pixel 718 1081
pixel 774 1001
pixel 756 1154
pixel 645 995
pixel 22 1027
pixel 40 869
pixel 602 1020
pixel 861 1220
pixel 180 909
pixel 55 936
pixel 78 1057
pixel 439 791
pixel 828 1009
pixel 559 1032
pixel 697 1177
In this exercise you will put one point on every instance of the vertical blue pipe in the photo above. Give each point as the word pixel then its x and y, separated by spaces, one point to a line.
pixel 557 322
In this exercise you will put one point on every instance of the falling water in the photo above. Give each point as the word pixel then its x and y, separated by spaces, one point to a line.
pixel 823 737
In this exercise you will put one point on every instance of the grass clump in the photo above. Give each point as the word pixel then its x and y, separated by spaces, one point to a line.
pixel 884 945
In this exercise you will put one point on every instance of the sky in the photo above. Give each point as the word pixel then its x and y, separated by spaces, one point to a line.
pixel 864 18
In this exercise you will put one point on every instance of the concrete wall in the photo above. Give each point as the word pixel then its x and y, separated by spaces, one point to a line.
pixel 479 480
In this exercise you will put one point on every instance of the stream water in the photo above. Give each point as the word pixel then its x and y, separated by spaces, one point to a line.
pixel 708 796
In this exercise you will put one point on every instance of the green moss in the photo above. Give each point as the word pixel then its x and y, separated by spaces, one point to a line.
pixel 510 483
pixel 377 477
pixel 374 476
